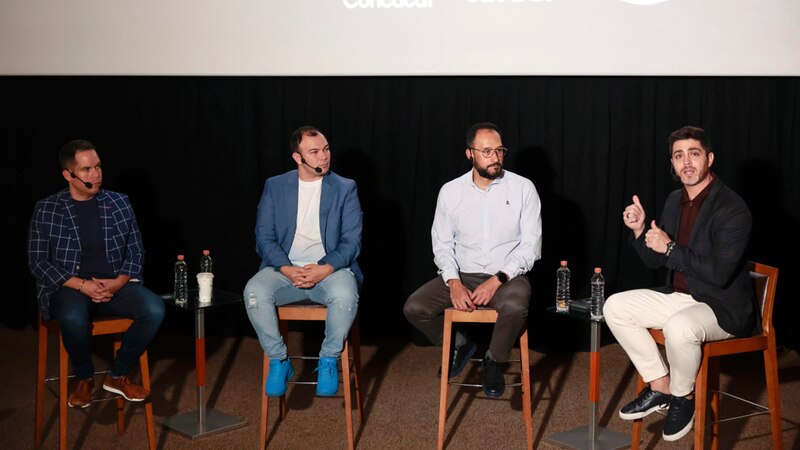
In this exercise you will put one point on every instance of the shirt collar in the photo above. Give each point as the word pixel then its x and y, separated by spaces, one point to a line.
pixel 698 199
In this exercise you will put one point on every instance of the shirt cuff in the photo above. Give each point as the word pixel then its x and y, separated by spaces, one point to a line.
pixel 511 271
pixel 449 274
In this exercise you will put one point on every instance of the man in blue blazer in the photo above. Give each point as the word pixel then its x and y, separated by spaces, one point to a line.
pixel 308 235
pixel 709 296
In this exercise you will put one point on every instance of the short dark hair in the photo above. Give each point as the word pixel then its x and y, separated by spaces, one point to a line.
pixel 473 131
pixel 297 136
pixel 66 156
pixel 689 132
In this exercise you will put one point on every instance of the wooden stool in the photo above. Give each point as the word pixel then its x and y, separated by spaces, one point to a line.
pixel 100 326
pixel 483 315
pixel 765 279
pixel 317 312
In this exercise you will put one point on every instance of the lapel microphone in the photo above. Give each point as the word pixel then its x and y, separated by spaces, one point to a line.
pixel 85 183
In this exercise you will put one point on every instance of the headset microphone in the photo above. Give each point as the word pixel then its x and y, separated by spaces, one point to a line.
pixel 316 169
pixel 85 183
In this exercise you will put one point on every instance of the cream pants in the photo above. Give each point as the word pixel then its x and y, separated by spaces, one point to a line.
pixel 686 323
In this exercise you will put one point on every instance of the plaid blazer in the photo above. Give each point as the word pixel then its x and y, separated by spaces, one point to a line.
pixel 54 249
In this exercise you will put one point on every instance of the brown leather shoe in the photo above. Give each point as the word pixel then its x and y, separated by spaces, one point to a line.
pixel 125 387
pixel 81 396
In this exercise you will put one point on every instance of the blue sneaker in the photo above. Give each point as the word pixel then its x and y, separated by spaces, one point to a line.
pixel 327 377
pixel 280 372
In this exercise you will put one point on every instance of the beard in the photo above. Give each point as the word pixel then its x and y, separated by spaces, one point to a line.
pixel 486 173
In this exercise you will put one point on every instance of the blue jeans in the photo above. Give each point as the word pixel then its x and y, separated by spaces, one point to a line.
pixel 269 289
pixel 73 312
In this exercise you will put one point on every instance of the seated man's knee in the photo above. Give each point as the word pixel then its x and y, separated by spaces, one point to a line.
pixel 345 299
pixel 414 307
pixel 514 308
pixel 258 289
pixel 155 309
pixel 73 318
pixel 613 306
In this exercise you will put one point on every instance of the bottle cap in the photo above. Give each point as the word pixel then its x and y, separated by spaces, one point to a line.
pixel 597 270
pixel 563 263
pixel 180 257
pixel 206 252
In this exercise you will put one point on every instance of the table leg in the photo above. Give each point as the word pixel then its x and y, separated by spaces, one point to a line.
pixel 592 436
pixel 203 421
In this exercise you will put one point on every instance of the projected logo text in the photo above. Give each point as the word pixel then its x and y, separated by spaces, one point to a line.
pixel 368 4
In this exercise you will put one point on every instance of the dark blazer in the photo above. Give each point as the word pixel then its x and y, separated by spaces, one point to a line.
pixel 339 221
pixel 54 248
pixel 714 261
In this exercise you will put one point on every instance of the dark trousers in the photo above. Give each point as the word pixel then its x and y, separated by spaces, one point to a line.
pixel 425 310
pixel 73 312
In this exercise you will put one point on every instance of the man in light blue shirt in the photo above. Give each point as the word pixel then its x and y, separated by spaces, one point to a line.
pixel 486 235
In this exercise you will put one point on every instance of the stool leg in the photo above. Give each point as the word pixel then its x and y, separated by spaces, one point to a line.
pixel 712 392
pixel 443 385
pixel 348 407
pixel 41 367
pixel 284 329
pixel 355 339
pixel 636 429
pixel 773 392
pixel 148 403
pixel 526 388
pixel 264 404
pixel 701 403
pixel 120 401
pixel 63 379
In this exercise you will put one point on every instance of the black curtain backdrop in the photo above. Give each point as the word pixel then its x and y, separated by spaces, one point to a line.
pixel 193 154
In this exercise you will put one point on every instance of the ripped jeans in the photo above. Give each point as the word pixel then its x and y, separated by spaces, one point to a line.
pixel 269 289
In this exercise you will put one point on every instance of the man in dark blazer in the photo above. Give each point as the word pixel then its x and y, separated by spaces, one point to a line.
pixel 704 231
pixel 308 235
pixel 86 252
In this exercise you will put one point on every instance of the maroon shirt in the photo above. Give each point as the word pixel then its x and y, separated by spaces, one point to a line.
pixel 690 209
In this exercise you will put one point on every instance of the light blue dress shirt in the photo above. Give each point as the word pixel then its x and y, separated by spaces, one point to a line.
pixel 477 231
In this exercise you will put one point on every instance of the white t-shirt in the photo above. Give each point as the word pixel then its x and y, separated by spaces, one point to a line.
pixel 307 245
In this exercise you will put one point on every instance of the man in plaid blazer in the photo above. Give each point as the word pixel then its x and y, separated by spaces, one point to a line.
pixel 85 250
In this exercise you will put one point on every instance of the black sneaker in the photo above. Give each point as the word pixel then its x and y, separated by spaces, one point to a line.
pixel 460 356
pixel 647 402
pixel 494 382
pixel 679 418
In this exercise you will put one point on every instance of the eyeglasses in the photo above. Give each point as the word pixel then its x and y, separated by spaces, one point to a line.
pixel 489 152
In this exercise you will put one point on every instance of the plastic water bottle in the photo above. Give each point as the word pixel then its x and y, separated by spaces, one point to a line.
pixel 206 265
pixel 598 294
pixel 562 288
pixel 181 282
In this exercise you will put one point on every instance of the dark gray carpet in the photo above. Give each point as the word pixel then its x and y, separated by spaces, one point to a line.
pixel 400 392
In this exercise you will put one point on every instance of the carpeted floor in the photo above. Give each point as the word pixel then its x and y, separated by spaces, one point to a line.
pixel 400 392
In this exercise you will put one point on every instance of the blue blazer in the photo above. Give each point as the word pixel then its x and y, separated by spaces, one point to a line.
pixel 339 220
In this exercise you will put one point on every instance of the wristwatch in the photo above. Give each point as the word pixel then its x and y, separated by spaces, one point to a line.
pixel 670 246
pixel 502 277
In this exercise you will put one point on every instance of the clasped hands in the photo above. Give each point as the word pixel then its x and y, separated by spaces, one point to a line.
pixel 633 217
pixel 307 276
pixel 102 290
pixel 465 300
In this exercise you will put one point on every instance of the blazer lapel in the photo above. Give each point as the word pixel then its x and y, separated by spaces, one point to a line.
pixel 290 196
pixel 105 222
pixel 325 202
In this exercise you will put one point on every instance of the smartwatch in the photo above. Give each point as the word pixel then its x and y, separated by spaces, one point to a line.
pixel 502 277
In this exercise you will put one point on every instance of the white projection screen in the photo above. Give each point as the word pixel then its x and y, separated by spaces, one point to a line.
pixel 400 37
